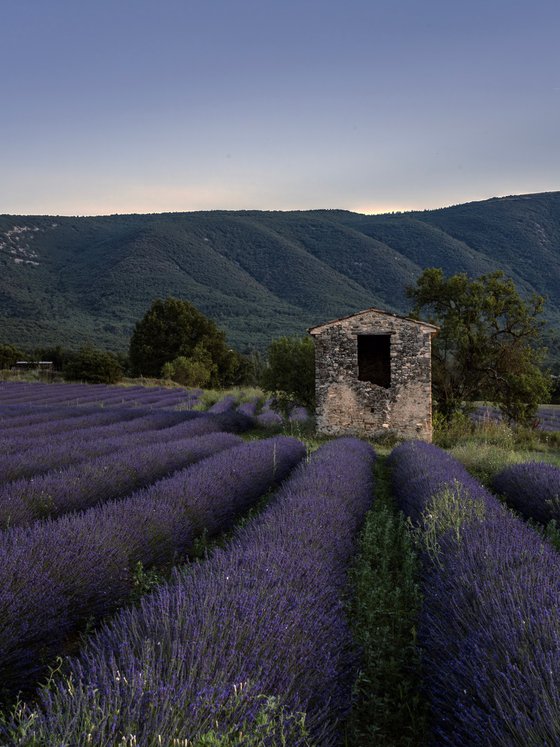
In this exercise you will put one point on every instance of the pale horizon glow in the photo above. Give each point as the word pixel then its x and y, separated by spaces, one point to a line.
pixel 178 106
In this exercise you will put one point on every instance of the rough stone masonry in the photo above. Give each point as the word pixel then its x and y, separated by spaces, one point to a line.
pixel 373 375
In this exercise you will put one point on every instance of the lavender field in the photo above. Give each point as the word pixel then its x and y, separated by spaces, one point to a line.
pixel 98 395
pixel 179 576
pixel 547 417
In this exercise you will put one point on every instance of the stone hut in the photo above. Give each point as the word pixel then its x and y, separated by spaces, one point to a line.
pixel 373 375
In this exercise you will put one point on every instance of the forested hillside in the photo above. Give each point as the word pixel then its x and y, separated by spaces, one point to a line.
pixel 258 274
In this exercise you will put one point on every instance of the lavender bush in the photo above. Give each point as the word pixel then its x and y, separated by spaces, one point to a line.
pixel 547 418
pixel 16 416
pixel 532 488
pixel 262 622
pixel 26 418
pixel 223 405
pixel 269 419
pixel 298 415
pixel 249 408
pixel 488 630
pixel 22 416
pixel 56 575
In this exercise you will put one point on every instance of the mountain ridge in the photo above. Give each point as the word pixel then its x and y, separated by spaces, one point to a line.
pixel 259 274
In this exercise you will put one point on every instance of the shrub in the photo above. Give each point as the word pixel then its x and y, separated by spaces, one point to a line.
pixel 198 370
pixel 290 371
pixel 9 354
pixel 93 366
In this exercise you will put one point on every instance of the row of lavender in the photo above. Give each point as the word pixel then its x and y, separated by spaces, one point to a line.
pixel 27 438
pixel 30 447
pixel 488 631
pixel 254 641
pixel 94 480
pixel 12 393
pixel 266 415
pixel 28 427
pixel 47 396
pixel 57 574
pixel 80 468
pixel 532 489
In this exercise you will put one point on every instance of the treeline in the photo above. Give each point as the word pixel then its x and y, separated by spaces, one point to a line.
pixel 89 364
pixel 175 341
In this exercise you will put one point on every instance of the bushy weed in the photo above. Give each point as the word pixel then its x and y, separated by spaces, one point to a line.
pixel 460 428
pixel 485 460
pixel 209 397
pixel 273 724
pixel 448 511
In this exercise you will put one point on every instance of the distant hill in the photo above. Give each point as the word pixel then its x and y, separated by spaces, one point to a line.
pixel 257 274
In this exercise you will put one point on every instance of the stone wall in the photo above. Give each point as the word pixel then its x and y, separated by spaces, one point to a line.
pixel 346 405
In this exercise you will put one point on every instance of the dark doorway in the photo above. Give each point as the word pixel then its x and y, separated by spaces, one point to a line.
pixel 374 359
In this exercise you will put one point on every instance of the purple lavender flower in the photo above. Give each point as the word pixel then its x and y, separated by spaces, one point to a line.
pixel 96 480
pixel 488 631
pixel 249 408
pixel 298 415
pixel 223 405
pixel 97 394
pixel 57 574
pixel 269 419
pixel 532 488
pixel 262 618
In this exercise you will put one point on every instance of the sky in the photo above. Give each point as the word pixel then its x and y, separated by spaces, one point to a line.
pixel 144 106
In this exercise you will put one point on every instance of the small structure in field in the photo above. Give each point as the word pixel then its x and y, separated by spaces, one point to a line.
pixel 373 375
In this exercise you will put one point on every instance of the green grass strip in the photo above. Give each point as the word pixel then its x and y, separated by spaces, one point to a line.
pixel 388 708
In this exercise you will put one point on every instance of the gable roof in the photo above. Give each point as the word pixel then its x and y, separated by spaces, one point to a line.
pixel 314 330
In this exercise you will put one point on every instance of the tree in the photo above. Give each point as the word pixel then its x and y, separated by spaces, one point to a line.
pixel 94 366
pixel 489 344
pixel 196 371
pixel 9 354
pixel 172 329
pixel 57 355
pixel 291 370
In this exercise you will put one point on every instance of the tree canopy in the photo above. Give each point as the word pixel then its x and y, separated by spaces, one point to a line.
pixel 196 371
pixel 9 354
pixel 172 329
pixel 290 371
pixel 489 345
pixel 92 365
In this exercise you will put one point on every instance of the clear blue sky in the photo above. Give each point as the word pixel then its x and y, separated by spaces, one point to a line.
pixel 120 106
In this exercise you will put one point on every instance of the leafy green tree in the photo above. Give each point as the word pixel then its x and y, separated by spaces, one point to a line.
pixel 290 371
pixel 94 366
pixel 57 355
pixel 196 371
pixel 9 354
pixel 249 370
pixel 171 329
pixel 489 345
